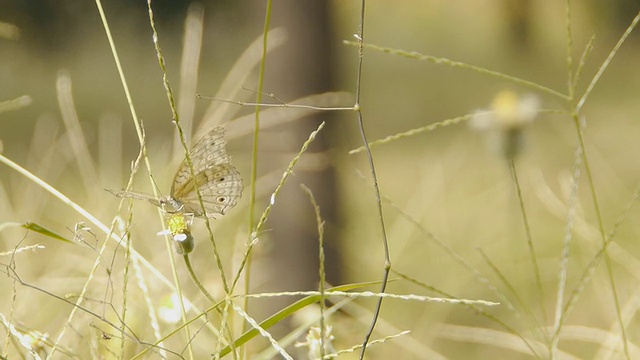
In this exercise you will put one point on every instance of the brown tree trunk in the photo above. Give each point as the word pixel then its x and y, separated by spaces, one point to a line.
pixel 301 67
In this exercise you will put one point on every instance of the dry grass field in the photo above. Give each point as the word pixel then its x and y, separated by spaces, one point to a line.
pixel 503 134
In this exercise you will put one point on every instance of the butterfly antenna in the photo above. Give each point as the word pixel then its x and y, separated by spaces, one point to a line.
pixel 155 185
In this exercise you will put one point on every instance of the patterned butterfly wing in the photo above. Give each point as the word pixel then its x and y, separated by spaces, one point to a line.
pixel 218 181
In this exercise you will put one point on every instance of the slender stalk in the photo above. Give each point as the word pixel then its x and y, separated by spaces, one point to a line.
pixel 374 177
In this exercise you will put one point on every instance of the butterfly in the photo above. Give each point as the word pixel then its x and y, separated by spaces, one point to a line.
pixel 218 182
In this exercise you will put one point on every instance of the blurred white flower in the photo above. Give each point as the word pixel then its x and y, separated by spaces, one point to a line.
pixel 169 310
pixel 314 344
pixel 504 124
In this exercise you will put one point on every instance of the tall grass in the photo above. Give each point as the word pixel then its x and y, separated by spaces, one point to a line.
pixel 525 252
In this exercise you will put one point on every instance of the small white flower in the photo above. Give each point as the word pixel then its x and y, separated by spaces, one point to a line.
pixel 504 124
pixel 169 310
pixel 314 343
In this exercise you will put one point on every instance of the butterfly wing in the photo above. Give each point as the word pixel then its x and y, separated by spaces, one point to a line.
pixel 210 150
pixel 220 187
pixel 219 182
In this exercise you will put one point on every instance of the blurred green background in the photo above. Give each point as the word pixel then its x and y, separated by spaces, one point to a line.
pixel 444 184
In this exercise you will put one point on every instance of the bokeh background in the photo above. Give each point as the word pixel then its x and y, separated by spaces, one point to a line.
pixel 452 213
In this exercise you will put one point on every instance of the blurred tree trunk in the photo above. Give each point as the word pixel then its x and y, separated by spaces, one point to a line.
pixel 518 16
pixel 619 14
pixel 301 67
